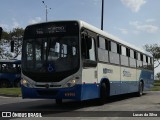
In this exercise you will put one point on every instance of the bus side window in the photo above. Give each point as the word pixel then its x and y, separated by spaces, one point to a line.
pixel 92 50
pixel 88 47
pixel 83 46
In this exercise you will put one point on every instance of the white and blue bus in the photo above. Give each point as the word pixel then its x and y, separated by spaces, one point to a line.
pixel 75 60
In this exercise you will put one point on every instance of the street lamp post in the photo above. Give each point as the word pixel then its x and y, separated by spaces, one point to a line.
pixel 46 7
pixel 102 14
pixel 1 32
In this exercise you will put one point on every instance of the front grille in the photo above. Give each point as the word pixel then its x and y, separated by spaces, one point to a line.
pixel 50 86
pixel 47 78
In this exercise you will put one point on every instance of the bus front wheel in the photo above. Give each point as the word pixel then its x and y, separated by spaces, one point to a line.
pixel 103 93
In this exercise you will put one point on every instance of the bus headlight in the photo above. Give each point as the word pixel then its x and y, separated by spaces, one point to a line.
pixel 26 83
pixel 70 83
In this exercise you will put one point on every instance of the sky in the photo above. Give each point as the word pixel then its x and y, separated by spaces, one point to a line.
pixel 134 21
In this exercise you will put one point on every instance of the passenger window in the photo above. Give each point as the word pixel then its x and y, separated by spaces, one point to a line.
pixel 102 43
pixel 123 50
pixel 114 47
pixel 128 52
pixel 131 53
pixel 135 55
pixel 149 62
pixel 144 58
pixel 92 50
pixel 118 49
pixel 141 56
pixel 138 57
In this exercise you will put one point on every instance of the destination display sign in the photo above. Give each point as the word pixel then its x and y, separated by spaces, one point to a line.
pixel 51 29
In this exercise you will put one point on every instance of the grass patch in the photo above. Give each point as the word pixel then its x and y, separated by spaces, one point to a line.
pixel 157 83
pixel 156 86
pixel 11 91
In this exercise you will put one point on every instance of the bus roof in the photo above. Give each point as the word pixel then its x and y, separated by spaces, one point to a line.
pixel 10 61
pixel 114 38
pixel 103 33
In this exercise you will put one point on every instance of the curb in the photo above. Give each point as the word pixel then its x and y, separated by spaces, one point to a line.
pixel 10 95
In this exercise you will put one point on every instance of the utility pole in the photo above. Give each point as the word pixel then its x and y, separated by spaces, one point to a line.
pixel 1 32
pixel 46 8
pixel 102 14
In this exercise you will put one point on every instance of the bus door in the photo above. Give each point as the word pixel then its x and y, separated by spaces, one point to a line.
pixel 89 65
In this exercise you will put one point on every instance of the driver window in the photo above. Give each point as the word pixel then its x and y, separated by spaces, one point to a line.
pixel 88 48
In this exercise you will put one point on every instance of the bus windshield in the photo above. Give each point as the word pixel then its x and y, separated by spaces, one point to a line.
pixel 52 54
pixel 51 51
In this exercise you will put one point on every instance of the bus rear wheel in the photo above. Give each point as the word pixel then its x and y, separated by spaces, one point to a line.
pixel 140 90
pixel 59 101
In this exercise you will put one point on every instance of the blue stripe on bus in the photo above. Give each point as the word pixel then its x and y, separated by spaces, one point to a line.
pixel 123 87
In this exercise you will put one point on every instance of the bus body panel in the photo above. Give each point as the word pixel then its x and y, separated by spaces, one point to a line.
pixel 128 80
pixel 112 73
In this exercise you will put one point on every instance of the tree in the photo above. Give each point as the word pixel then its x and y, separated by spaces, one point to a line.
pixel 15 35
pixel 154 49
pixel 5 35
pixel 158 76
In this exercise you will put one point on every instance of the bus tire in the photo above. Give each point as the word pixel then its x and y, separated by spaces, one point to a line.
pixel 103 93
pixel 59 101
pixel 140 89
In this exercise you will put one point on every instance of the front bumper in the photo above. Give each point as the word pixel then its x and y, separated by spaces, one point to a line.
pixel 52 93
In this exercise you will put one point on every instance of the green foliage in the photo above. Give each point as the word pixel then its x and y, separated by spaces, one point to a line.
pixel 158 76
pixel 10 91
pixel 16 32
pixel 154 49
pixel 5 35
pixel 156 86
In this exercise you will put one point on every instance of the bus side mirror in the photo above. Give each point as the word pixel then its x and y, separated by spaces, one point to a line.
pixel 1 32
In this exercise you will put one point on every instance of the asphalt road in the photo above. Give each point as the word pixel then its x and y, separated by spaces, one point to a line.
pixel 117 107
